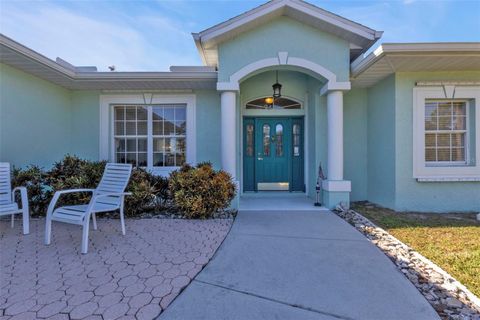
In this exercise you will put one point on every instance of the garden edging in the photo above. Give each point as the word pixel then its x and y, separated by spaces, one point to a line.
pixel 448 296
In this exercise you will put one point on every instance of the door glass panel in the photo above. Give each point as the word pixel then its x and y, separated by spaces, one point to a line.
pixel 279 140
pixel 296 140
pixel 266 140
pixel 249 147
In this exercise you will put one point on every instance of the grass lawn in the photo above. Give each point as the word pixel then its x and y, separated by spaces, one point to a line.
pixel 450 240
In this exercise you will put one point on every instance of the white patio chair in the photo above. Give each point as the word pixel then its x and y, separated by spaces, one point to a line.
pixel 8 206
pixel 108 196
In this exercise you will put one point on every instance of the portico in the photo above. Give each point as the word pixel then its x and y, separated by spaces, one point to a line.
pixel 336 189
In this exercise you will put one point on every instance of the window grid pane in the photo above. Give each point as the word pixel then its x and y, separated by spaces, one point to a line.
pixel 168 133
pixel 445 131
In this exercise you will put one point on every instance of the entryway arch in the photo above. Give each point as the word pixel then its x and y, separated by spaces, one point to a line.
pixel 334 89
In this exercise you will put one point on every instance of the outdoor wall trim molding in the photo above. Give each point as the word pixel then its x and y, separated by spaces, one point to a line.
pixel 283 59
pixel 106 102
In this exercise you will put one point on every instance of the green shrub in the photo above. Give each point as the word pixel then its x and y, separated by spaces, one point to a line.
pixel 149 193
pixel 38 190
pixel 199 192
pixel 75 173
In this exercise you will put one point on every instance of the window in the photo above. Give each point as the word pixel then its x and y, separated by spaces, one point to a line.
pixel 270 103
pixel 279 140
pixel 157 132
pixel 446 132
pixel 250 132
pixel 296 140
pixel 266 140
pixel 131 135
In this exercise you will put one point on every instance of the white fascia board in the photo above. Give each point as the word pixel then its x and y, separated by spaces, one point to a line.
pixel 361 64
pixel 198 43
pixel 35 56
pixel 147 76
pixel 209 35
pixel 334 19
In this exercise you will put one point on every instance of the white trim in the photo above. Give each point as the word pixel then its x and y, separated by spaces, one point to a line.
pixel 448 179
pixel 360 35
pixel 335 86
pixel 306 178
pixel 421 171
pixel 337 185
pixel 362 63
pixel 446 83
pixel 106 151
pixel 305 64
pixel 282 59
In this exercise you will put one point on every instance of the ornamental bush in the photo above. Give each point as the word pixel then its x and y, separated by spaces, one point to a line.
pixel 38 190
pixel 149 192
pixel 199 192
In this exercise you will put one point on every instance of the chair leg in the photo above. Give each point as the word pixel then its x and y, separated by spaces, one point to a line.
pixel 122 219
pixel 85 237
pixel 94 219
pixel 48 231
pixel 12 224
pixel 26 222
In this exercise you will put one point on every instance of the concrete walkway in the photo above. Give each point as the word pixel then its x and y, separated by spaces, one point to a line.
pixel 298 265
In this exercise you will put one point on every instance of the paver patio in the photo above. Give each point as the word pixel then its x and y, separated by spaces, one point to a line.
pixel 122 277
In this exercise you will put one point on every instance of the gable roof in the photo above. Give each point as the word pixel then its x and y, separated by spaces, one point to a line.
pixel 390 58
pixel 360 37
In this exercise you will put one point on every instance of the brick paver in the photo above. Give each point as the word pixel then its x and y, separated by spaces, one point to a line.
pixel 122 277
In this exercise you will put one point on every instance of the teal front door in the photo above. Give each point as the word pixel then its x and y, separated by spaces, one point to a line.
pixel 273 154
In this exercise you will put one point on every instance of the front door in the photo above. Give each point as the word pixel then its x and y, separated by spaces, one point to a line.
pixel 272 156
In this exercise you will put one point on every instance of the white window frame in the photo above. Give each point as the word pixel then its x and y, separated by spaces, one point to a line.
pixel 426 171
pixel 107 104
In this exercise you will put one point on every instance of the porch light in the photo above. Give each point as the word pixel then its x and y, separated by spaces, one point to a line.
pixel 277 89
pixel 269 100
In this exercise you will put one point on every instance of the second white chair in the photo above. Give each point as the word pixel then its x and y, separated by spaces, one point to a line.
pixel 8 206
pixel 108 196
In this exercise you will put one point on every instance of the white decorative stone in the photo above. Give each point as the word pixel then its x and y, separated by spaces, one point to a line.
pixel 450 298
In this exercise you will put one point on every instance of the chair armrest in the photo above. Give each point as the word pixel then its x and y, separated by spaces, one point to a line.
pixel 23 196
pixel 57 195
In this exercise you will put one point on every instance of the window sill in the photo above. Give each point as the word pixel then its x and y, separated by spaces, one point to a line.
pixel 447 179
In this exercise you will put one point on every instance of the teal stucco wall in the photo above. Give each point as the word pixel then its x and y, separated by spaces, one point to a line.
pixel 426 196
pixel 208 126
pixel 355 142
pixel 41 122
pixel 85 124
pixel 35 119
pixel 284 34
pixel 381 142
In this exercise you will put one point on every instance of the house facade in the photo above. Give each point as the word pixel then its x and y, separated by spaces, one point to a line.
pixel 284 88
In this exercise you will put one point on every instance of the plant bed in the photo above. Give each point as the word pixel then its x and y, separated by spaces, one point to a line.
pixel 449 297
pixel 192 192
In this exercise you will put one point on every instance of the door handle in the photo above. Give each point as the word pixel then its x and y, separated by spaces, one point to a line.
pixel 259 158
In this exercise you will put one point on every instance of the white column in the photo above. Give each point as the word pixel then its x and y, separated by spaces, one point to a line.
pixel 228 132
pixel 335 135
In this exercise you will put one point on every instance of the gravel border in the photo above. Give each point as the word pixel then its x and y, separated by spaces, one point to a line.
pixel 449 298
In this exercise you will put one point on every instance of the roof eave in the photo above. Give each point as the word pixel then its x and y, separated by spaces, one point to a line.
pixel 361 64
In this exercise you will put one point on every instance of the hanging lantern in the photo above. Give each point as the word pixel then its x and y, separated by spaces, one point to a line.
pixel 277 89
pixel 269 100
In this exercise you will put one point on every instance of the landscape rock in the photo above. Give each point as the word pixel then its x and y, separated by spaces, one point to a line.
pixel 449 298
